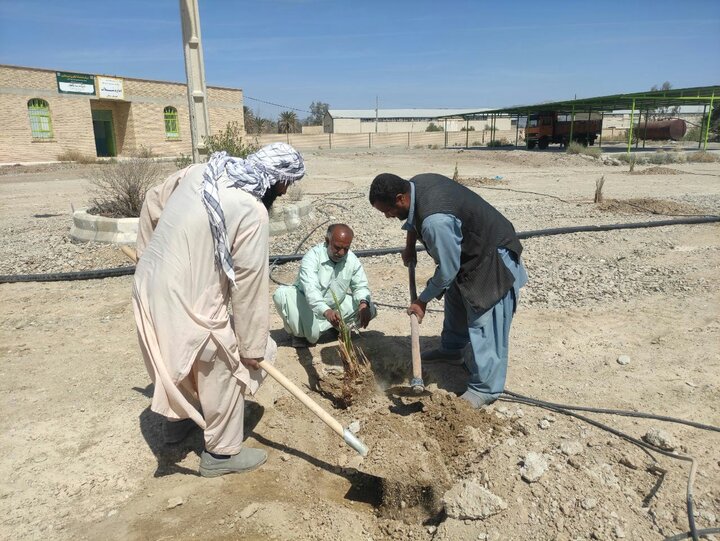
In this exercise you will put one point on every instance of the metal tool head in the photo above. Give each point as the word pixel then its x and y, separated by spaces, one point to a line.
pixel 417 385
pixel 354 442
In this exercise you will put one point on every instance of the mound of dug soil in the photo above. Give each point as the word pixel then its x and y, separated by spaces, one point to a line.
pixel 418 444
pixel 657 170
pixel 649 205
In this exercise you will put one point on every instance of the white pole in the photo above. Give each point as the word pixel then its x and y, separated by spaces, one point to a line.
pixel 376 113
pixel 195 73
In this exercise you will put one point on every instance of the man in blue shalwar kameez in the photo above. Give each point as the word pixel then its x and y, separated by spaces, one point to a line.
pixel 478 270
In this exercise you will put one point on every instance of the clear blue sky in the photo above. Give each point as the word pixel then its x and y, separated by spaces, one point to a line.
pixel 413 53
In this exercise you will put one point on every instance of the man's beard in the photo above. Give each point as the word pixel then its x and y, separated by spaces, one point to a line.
pixel 269 198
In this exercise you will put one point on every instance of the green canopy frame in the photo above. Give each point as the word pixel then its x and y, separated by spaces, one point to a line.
pixel 640 101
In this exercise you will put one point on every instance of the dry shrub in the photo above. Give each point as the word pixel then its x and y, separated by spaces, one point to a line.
pixel 456 174
pixel 661 157
pixel 577 148
pixel 119 189
pixel 76 156
pixel 702 156
pixel 498 143
pixel 143 152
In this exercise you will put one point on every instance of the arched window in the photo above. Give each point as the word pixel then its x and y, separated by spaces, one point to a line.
pixel 172 128
pixel 40 124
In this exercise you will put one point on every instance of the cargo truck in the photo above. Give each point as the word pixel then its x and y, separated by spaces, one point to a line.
pixel 547 128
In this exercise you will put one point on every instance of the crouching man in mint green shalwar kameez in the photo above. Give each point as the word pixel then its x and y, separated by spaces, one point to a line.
pixel 307 307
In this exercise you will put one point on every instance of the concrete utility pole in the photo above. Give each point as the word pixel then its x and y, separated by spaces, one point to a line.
pixel 195 73
pixel 376 112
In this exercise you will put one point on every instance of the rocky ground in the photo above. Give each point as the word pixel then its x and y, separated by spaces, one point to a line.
pixel 621 319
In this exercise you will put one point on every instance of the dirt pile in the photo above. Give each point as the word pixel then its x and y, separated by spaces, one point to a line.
pixel 645 205
pixel 656 170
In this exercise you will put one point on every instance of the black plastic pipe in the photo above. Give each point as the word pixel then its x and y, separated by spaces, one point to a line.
pixel 286 258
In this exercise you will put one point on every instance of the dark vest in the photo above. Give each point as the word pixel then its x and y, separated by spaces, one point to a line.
pixel 483 279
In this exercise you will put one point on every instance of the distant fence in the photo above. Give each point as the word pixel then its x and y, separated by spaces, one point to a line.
pixel 303 141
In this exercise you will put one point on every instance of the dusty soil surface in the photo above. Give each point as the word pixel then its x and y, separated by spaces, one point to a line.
pixel 83 457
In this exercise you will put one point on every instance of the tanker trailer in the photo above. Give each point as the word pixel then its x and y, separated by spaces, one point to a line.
pixel 661 130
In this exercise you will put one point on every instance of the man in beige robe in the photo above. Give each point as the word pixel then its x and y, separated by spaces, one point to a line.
pixel 203 245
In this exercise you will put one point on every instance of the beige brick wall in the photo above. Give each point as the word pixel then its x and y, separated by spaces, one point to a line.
pixel 138 120
pixel 226 105
pixel 354 125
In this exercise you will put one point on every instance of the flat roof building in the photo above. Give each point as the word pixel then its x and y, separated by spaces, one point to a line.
pixel 48 113
pixel 402 120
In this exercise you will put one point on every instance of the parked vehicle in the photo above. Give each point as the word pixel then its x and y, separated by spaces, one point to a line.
pixel 661 130
pixel 548 128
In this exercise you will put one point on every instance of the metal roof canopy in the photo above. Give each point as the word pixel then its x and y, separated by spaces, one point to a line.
pixel 642 101
pixel 700 95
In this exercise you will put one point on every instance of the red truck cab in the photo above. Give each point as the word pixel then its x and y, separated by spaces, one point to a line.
pixel 547 128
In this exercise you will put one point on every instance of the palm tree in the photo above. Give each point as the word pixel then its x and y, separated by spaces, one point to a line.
pixel 259 124
pixel 249 119
pixel 287 122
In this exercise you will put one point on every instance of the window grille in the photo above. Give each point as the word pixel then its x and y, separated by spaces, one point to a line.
pixel 172 127
pixel 40 123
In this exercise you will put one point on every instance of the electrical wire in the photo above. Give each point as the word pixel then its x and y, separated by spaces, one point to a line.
pixel 278 105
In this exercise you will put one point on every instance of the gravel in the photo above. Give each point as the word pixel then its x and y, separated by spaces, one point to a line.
pixel 565 271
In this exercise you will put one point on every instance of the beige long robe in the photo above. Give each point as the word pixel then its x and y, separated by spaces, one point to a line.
pixel 181 299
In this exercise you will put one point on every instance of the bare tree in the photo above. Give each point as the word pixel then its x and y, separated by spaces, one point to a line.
pixel 667 111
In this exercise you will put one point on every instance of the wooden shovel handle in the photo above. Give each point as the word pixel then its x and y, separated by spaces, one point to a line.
pixel 308 402
pixel 414 328
pixel 415 345
pixel 132 255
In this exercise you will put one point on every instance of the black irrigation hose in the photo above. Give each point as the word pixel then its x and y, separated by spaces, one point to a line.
pixel 273 265
pixel 610 227
pixel 68 276
pixel 285 258
pixel 514 397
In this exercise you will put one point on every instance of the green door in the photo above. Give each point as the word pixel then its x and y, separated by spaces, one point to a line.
pixel 104 132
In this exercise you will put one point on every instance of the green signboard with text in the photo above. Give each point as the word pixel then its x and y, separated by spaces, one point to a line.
pixel 75 83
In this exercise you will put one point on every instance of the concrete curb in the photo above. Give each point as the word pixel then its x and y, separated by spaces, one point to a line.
pixel 289 217
pixel 92 228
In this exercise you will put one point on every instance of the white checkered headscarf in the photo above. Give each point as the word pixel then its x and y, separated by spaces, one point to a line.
pixel 278 162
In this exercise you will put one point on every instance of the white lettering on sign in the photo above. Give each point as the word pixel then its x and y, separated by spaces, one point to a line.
pixel 79 88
